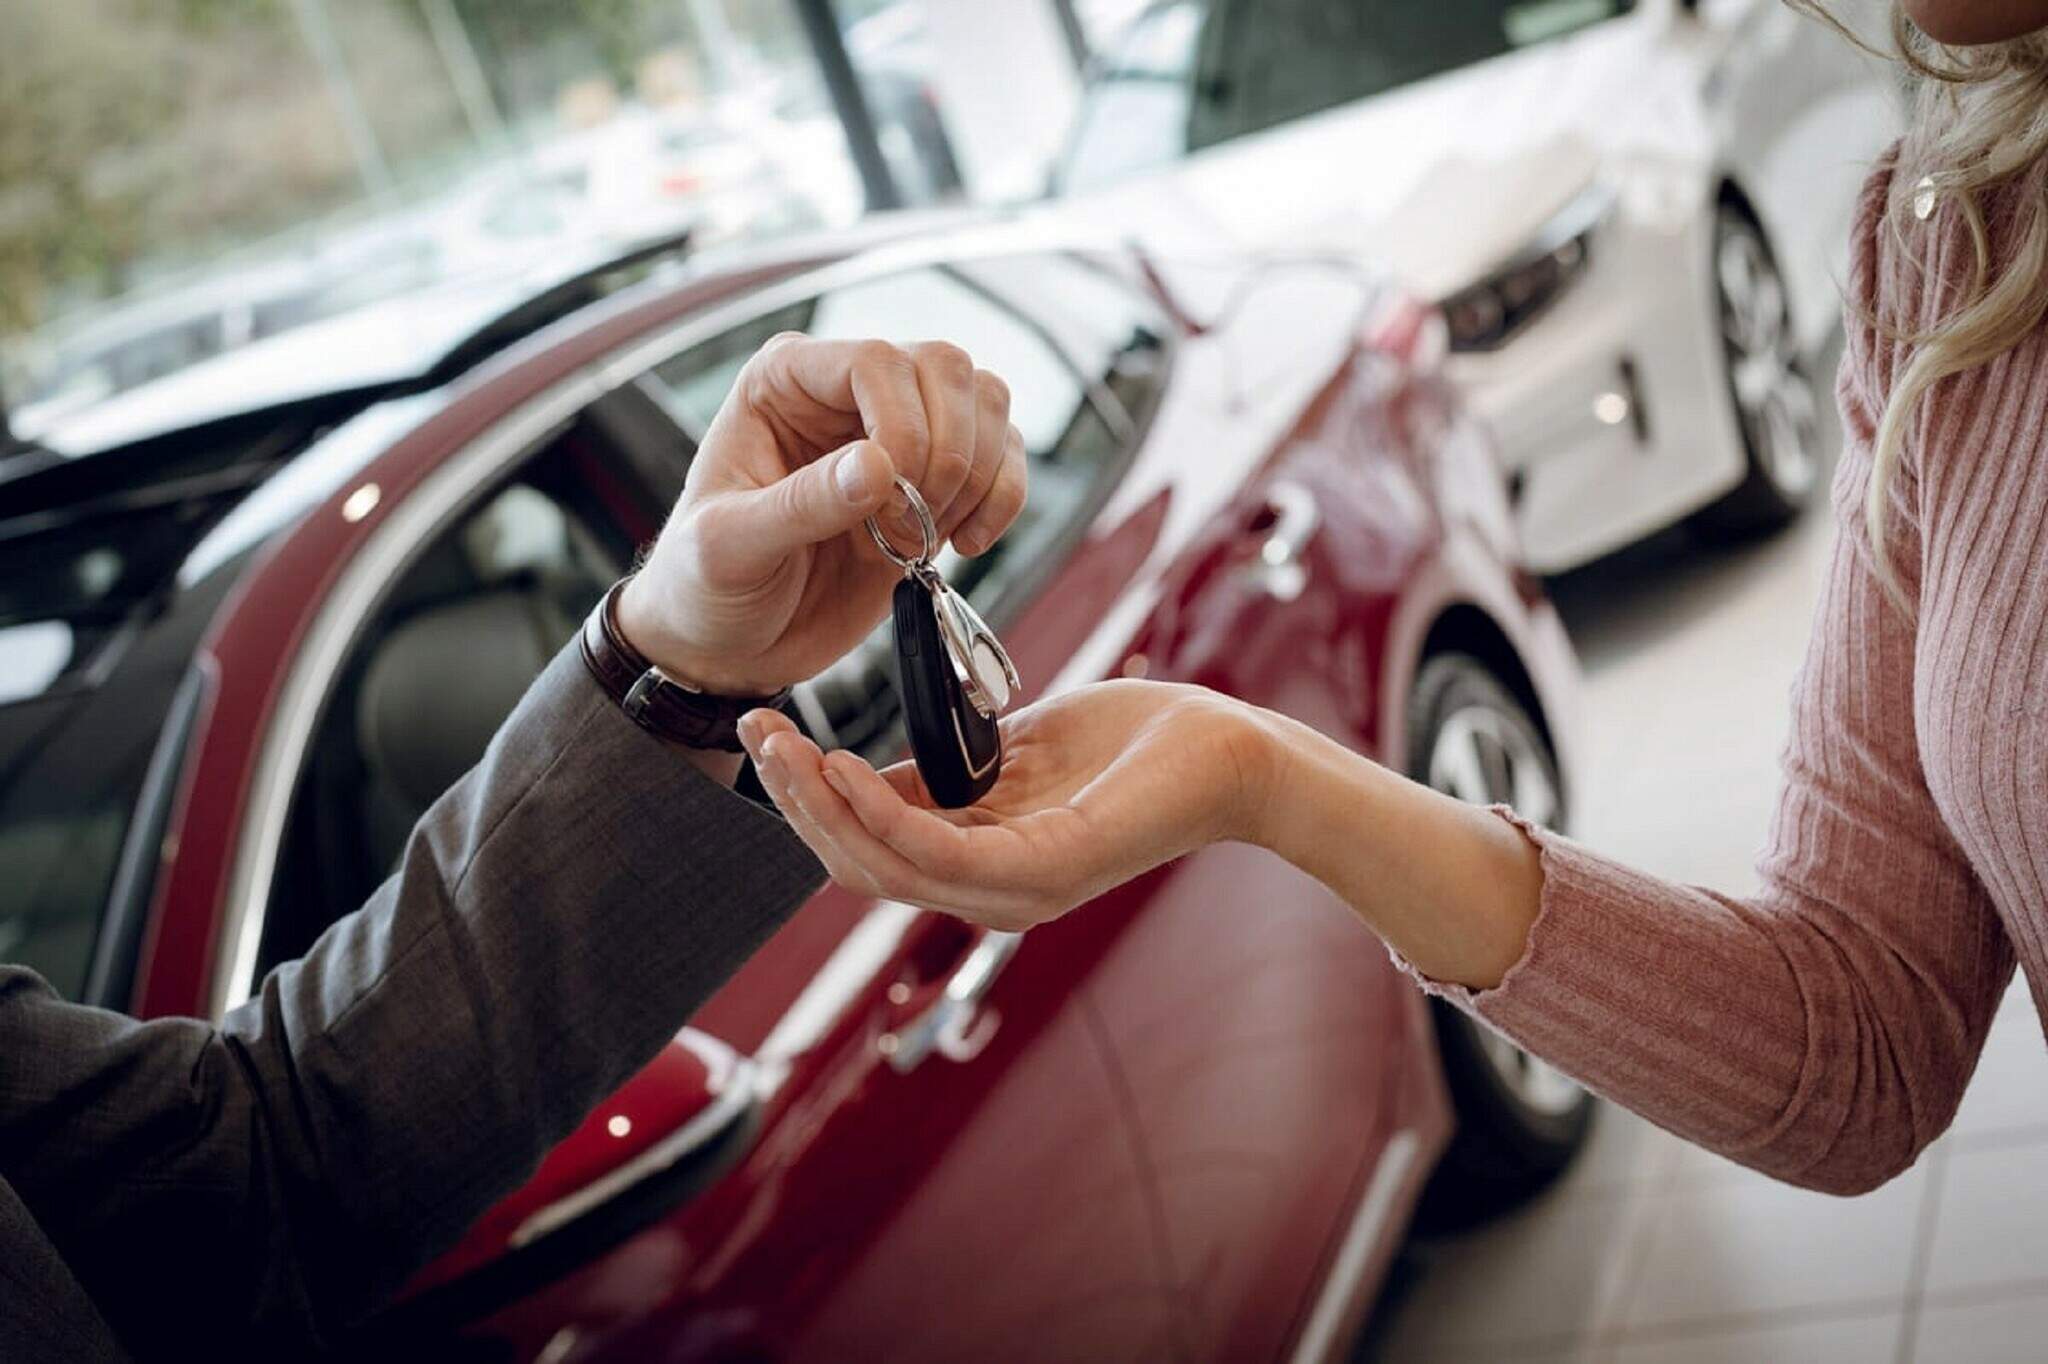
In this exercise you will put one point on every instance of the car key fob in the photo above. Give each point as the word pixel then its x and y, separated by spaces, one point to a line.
pixel 952 673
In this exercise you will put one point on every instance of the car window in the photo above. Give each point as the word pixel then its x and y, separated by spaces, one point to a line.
pixel 459 637
pixel 1264 62
pixel 692 385
pixel 1080 352
pixel 1135 114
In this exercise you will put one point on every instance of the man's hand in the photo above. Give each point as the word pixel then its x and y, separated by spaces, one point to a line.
pixel 1098 786
pixel 764 574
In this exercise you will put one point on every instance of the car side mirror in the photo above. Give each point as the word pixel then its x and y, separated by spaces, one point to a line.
pixel 670 1132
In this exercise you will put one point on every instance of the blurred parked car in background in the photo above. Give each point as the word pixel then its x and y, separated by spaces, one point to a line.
pixel 1633 212
pixel 641 182
pixel 360 338
pixel 123 346
pixel 641 176
pixel 245 654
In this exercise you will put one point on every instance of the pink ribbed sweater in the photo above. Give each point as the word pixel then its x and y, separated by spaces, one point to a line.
pixel 1823 1031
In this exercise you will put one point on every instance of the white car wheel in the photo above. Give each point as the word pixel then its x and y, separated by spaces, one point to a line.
pixel 1777 408
pixel 1520 1120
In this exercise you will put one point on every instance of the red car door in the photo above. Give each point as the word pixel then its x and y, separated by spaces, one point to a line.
pixel 1268 1048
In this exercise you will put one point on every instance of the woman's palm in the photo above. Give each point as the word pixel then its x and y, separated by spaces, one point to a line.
pixel 1105 782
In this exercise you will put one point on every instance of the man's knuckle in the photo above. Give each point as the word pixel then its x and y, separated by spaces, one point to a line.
pixel 794 496
pixel 948 468
pixel 946 362
pixel 981 478
pixel 993 392
pixel 772 353
pixel 911 442
pixel 1006 498
pixel 880 358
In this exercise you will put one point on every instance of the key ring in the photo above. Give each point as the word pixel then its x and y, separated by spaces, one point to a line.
pixel 926 525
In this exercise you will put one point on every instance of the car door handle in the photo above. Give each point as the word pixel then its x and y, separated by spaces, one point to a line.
pixel 1290 520
pixel 956 1025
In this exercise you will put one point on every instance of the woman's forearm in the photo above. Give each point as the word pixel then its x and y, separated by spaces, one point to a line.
pixel 1450 886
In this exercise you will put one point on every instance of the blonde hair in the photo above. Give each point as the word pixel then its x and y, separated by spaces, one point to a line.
pixel 1980 123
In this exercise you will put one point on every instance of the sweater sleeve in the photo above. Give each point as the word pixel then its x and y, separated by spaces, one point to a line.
pixel 1823 1031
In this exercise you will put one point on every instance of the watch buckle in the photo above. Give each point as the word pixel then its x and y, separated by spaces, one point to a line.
pixel 645 687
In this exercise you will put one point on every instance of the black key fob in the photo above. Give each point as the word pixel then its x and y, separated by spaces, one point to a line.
pixel 951 671
pixel 958 749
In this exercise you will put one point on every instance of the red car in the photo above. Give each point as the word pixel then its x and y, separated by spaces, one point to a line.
pixel 1189 1121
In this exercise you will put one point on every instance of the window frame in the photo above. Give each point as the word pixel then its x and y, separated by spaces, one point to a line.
pixel 1102 71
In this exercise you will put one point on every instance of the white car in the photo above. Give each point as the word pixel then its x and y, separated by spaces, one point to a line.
pixel 641 177
pixel 1634 214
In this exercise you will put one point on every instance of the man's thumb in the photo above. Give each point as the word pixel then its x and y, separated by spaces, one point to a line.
pixel 824 498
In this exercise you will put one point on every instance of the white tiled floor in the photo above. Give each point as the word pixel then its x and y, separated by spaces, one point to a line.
pixel 1990 1234
pixel 1650 1251
pixel 1750 1248
pixel 1834 1340
pixel 2007 1331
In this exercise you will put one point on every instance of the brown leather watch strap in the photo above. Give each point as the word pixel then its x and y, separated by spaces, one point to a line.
pixel 653 700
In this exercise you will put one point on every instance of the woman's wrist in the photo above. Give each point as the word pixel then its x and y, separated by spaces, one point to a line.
pixel 1451 886
pixel 1275 800
pixel 1329 805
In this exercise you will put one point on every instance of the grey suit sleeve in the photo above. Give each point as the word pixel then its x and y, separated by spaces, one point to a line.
pixel 556 918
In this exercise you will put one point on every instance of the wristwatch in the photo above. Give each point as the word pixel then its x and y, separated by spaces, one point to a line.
pixel 664 706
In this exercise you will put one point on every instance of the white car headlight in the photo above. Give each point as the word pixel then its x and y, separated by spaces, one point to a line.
pixel 1488 314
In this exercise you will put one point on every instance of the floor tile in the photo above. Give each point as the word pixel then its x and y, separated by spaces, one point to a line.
pixel 1836 1340
pixel 1532 1282
pixel 1992 1226
pixel 2013 1331
pixel 1750 1245
pixel 1695 1165
pixel 2009 1092
pixel 1625 1152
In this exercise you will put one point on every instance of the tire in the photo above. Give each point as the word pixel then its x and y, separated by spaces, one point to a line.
pixel 1519 1122
pixel 1775 404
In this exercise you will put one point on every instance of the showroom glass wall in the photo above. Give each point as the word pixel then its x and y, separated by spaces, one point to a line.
pixel 180 179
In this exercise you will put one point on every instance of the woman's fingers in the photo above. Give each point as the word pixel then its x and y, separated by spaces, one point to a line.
pixel 917 835
pixel 779 765
pixel 756 725
pixel 904 780
pixel 794 776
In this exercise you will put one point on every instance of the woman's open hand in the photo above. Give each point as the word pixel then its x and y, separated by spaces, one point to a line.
pixel 1098 786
